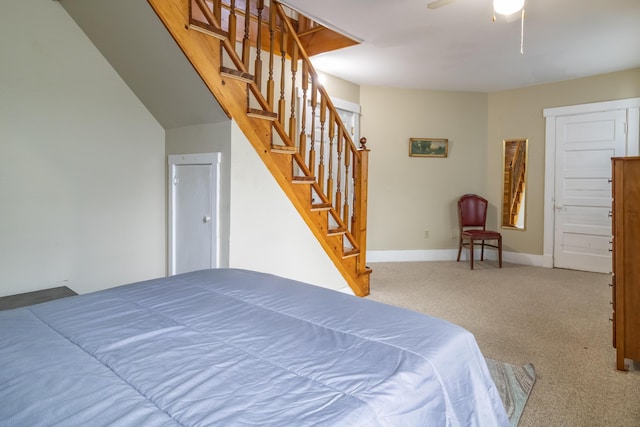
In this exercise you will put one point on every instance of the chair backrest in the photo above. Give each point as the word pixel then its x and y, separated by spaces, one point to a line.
pixel 472 211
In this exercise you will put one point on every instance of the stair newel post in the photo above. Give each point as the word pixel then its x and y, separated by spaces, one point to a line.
pixel 339 149
pixel 332 135
pixel 246 41
pixel 360 207
pixel 272 34
pixel 233 20
pixel 302 145
pixel 323 120
pixel 314 105
pixel 292 100
pixel 283 59
pixel 258 62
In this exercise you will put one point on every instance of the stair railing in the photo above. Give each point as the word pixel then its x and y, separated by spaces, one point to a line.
pixel 306 123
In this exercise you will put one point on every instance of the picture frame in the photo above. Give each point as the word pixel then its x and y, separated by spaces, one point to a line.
pixel 428 147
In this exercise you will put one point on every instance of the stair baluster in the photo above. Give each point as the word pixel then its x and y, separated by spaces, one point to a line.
pixel 323 121
pixel 292 100
pixel 272 35
pixel 314 106
pixel 283 63
pixel 246 41
pixel 302 141
pixel 258 61
pixel 338 199
pixel 233 20
pixel 332 135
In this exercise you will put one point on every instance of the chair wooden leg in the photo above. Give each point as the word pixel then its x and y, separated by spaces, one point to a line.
pixel 482 252
pixel 459 249
pixel 500 251
pixel 471 252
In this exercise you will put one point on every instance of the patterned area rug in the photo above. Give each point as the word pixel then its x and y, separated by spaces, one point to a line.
pixel 514 385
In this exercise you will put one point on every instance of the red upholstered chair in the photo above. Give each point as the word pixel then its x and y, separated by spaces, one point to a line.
pixel 472 218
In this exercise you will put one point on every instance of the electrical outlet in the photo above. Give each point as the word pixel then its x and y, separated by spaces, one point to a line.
pixel 426 234
pixel 454 234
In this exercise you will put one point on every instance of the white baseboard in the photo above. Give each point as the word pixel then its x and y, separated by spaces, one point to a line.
pixel 451 255
pixel 525 259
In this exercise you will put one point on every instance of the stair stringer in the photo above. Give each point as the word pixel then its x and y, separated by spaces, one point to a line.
pixel 203 52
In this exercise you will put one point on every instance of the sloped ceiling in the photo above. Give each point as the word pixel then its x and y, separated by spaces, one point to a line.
pixel 135 42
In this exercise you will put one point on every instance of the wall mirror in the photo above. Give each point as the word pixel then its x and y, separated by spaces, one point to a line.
pixel 514 187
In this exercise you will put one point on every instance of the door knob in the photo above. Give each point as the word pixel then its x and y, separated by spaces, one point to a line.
pixel 206 219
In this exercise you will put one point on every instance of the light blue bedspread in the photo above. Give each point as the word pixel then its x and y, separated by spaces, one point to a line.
pixel 238 348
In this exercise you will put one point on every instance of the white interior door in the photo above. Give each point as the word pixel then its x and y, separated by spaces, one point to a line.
pixel 585 145
pixel 193 212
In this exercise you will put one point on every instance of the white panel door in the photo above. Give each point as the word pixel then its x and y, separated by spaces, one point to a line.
pixel 585 145
pixel 193 213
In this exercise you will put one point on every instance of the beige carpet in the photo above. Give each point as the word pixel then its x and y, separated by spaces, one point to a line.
pixel 558 320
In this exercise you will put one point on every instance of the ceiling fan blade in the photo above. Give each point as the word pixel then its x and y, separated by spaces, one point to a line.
pixel 438 3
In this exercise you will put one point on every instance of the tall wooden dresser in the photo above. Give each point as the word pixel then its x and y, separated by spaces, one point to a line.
pixel 626 258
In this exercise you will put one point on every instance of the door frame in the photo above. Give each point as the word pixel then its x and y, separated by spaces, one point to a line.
pixel 213 160
pixel 340 104
pixel 631 105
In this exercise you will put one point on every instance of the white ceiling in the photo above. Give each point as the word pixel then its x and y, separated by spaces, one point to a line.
pixel 458 47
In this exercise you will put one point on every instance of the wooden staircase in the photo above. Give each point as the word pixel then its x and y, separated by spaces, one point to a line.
pixel 253 58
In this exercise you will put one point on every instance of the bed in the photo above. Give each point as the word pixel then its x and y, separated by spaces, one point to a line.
pixel 229 347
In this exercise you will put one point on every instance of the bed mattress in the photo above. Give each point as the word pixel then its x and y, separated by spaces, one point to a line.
pixel 229 347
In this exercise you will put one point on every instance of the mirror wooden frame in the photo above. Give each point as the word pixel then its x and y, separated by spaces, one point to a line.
pixel 515 153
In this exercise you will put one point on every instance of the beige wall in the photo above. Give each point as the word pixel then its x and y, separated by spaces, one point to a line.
pixel 342 89
pixel 519 114
pixel 266 232
pixel 82 173
pixel 409 195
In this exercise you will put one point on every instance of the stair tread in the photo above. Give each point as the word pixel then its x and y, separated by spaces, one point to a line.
pixel 262 114
pixel 236 74
pixel 351 253
pixel 209 30
pixel 304 179
pixel 336 231
pixel 285 149
pixel 321 206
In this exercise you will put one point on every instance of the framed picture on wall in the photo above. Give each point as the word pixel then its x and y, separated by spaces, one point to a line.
pixel 428 147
